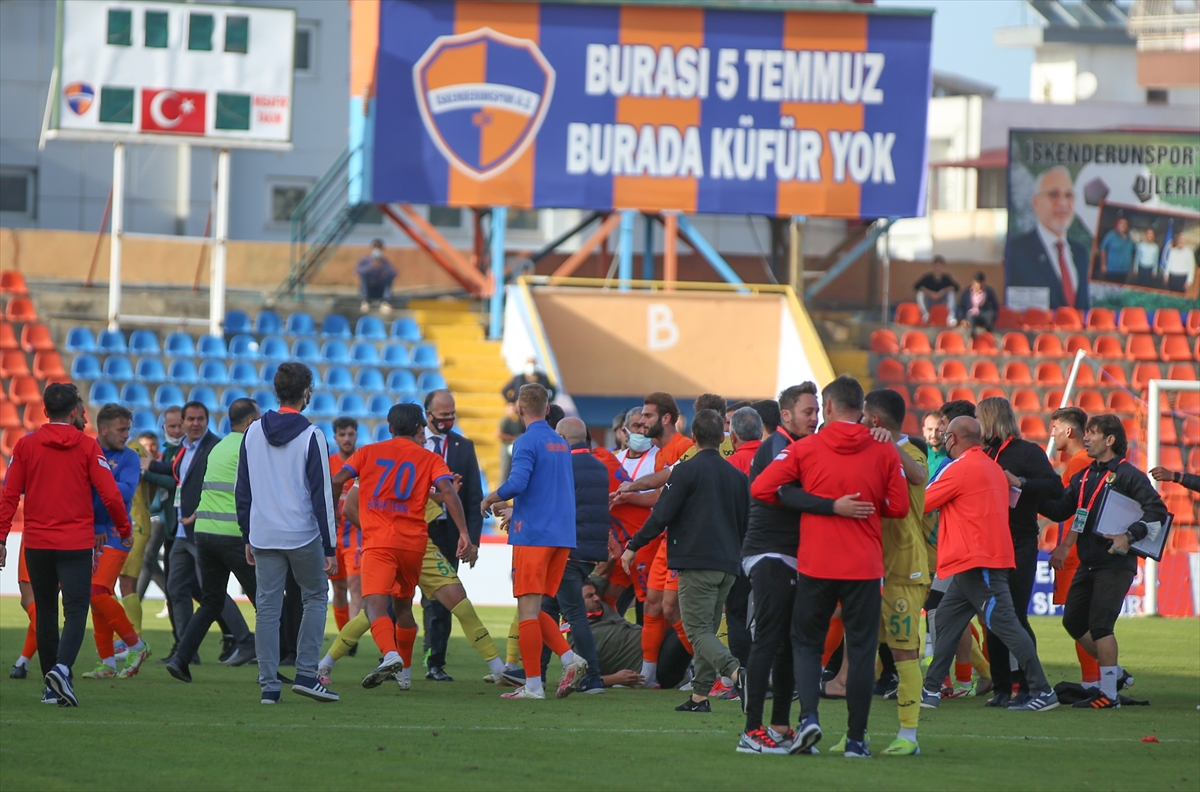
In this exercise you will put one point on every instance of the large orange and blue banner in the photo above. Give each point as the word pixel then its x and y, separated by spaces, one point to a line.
pixel 644 106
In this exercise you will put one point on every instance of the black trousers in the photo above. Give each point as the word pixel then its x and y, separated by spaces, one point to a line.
pixel 437 619
pixel 1094 601
pixel 737 619
pixel 816 599
pixel 1020 586
pixel 50 571
pixel 218 556
pixel 774 586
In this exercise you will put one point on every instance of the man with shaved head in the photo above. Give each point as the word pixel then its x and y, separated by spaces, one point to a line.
pixel 975 547
pixel 1045 258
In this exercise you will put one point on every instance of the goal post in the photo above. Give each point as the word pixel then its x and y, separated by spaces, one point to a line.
pixel 1157 387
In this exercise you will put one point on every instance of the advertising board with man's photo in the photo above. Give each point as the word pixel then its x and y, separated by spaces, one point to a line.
pixel 1146 249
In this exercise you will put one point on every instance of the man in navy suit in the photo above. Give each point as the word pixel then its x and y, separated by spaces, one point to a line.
pixel 1044 257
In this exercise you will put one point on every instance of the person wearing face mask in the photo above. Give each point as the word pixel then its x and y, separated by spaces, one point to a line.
pixel 375 276
pixel 530 373
pixel 630 514
pixel 459 454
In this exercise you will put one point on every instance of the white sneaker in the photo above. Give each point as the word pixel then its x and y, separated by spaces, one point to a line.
pixel 365 307
pixel 386 670
pixel 496 679
pixel 524 692
pixel 404 681
pixel 572 675
pixel 385 308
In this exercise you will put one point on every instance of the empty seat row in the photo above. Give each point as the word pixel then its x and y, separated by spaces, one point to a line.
pixel 1166 321
pixel 35 337
pixel 46 365
pixel 1138 346
pixel 299 323
pixel 20 309
pixel 1018 372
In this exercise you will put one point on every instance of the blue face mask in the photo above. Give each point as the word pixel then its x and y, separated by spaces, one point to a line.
pixel 639 443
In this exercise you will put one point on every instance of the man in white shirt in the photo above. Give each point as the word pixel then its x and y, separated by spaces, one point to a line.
pixel 1181 266
pixel 1145 257
pixel 1045 258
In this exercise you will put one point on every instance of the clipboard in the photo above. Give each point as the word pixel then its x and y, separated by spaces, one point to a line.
pixel 1117 512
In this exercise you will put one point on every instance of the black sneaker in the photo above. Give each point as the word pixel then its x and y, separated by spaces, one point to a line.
pixel 61 685
pixel 739 687
pixel 438 674
pixel 691 705
pixel 179 671
pixel 1097 701
pixel 228 647
pixel 1001 700
pixel 1125 681
pixel 48 696
pixel 885 683
pixel 18 672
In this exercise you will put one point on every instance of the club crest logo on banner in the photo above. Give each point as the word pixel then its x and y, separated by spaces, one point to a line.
pixel 79 97
pixel 483 96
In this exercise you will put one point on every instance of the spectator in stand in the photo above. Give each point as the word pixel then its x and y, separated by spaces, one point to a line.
pixel 1116 252
pixel 979 306
pixel 1181 266
pixel 530 374
pixel 937 287
pixel 375 276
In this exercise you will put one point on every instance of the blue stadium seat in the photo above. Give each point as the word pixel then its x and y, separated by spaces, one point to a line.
pixel 430 380
pixel 118 368
pixel 225 427
pixel 135 395
pixel 396 355
pixel 425 356
pixel 267 323
pixel 206 396
pixel 381 433
pixel 80 339
pixel 150 369
pixel 230 395
pixel 244 346
pixel 183 371
pixel 212 347
pixel 85 367
pixel 273 348
pixel 144 342
pixel 335 351
pixel 143 421
pixel 111 341
pixel 338 378
pixel 371 328
pixel 212 372
pixel 180 344
pixel 335 326
pixel 306 350
pixel 168 396
pixel 402 381
pixel 352 404
pixel 379 404
pixel 323 404
pixel 103 392
pixel 406 329
pixel 316 377
pixel 245 374
pixel 301 324
pixel 214 425
pixel 327 428
pixel 266 399
pixel 237 322
pixel 369 380
pixel 364 353
pixel 266 375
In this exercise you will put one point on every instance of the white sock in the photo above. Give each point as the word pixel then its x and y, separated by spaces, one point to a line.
pixel 62 669
pixel 111 662
pixel 908 734
pixel 327 661
pixel 650 672
pixel 511 666
pixel 727 681
pixel 533 684
pixel 390 656
pixel 405 674
pixel 1108 681
pixel 567 658
pixel 137 647
pixel 22 661
pixel 496 666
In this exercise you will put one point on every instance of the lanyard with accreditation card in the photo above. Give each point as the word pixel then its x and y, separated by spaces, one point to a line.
pixel 1081 514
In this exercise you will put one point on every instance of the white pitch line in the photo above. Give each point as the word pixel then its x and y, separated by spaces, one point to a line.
pixel 453 727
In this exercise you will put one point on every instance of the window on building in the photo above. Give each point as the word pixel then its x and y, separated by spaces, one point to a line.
pixel 284 200
pixel 304 56
pixel 156 29
pixel 120 27
pixel 991 189
pixel 524 219
pixel 233 111
pixel 237 34
pixel 1156 96
pixel 200 32
pixel 16 191
pixel 116 105
pixel 445 216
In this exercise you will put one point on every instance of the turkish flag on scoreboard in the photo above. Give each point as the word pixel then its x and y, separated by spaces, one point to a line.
pixel 171 111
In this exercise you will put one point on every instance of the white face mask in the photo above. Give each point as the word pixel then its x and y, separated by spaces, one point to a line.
pixel 376 253
pixel 639 443
pixel 530 369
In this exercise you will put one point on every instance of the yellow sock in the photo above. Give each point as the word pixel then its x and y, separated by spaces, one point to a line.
pixel 982 666
pixel 349 635
pixel 473 628
pixel 908 696
pixel 723 631
pixel 512 652
pixel 132 604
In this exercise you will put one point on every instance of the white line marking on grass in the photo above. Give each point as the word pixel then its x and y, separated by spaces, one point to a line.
pixel 443 726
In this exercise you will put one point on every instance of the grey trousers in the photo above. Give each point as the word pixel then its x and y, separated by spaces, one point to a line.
pixel 308 567
pixel 982 591
pixel 183 585
pixel 702 594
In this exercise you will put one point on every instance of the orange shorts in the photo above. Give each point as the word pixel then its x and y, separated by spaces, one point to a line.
pixel 391 571
pixel 538 570
pixel 642 563
pixel 661 578
pixel 349 562
pixel 106 567
pixel 1064 576
pixel 22 570
pixel 617 576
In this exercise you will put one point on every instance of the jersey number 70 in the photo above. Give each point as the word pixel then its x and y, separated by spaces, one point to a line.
pixel 402 484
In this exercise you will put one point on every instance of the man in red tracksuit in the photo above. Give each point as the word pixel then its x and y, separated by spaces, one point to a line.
pixel 56 468
pixel 840 559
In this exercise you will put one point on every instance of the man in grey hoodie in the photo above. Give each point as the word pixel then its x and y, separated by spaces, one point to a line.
pixel 285 511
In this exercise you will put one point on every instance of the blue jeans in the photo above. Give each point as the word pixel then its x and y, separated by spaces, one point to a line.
pixel 376 291
pixel 569 602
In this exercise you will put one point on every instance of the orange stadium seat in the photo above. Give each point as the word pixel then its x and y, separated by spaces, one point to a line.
pixel 1026 400
pixel 1049 373
pixel 910 425
pixel 1193 465
pixel 1188 403
pixel 1184 540
pixel 1191 432
pixel 1036 319
pixel 12 282
pixel 1108 346
pixel 890 370
pixel 1143 373
pixel 953 371
pixel 23 389
pixel 1197 352
pixel 961 393
pixel 1086 376
pixel 1113 374
pixel 1140 346
pixel 984 344
pixel 8 415
pixel 13 364
pixel 1008 318
pixel 938 314
pixel 915 342
pixel 928 397
pixel 1017 373
pixel 985 371
pixel 1067 319
pixel 1170 457
pixel 1167 321
pixel 35 337
pixel 1193 322
pixel 1182 371
pixel 909 314
pixel 48 365
pixel 1053 399
pixel 1176 347
pixel 1133 319
pixel 1167 434
pixel 1048 345
pixel 1101 319
pixel 9 439
pixel 1016 344
pixel 1123 402
pixel 8 337
pixel 1164 402
pixel 1134 432
pixel 903 391
pixel 922 370
pixel 992 392
pixel 884 342
pixel 20 309
pixel 1090 401
pixel 35 415
pixel 1033 427
pixel 950 342
pixel 1077 342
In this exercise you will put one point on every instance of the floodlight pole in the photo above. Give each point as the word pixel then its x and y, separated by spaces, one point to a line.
pixel 118 233
pixel 216 278
pixel 496 306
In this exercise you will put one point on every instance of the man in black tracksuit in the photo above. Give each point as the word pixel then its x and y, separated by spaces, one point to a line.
pixel 1106 568
pixel 703 509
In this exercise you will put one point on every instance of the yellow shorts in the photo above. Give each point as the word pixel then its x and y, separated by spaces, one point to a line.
pixel 436 571
pixel 900 616
pixel 133 564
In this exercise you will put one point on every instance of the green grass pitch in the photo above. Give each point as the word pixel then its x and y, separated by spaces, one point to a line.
pixel 152 733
